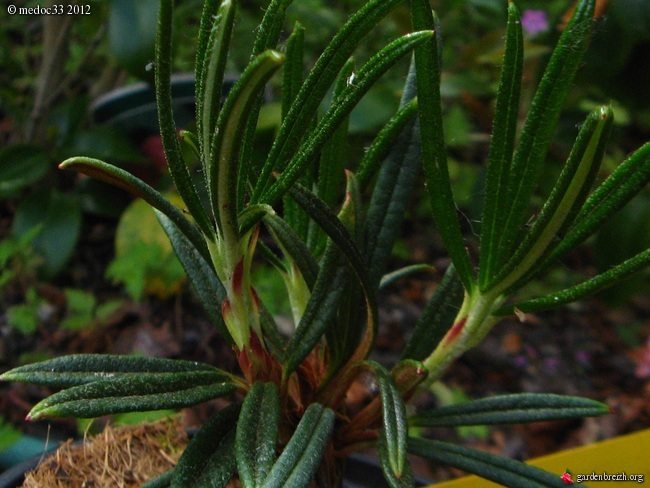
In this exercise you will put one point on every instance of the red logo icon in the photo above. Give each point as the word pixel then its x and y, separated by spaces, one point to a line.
pixel 566 477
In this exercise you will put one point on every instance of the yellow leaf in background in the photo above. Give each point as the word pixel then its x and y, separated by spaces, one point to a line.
pixel 141 241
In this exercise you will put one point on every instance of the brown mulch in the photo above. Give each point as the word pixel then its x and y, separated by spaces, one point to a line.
pixel 122 457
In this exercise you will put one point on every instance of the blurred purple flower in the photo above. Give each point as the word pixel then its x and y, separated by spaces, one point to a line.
pixel 534 21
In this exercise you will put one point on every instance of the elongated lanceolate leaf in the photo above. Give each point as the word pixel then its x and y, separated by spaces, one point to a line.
pixel 209 458
pixel 141 392
pixel 177 167
pixel 436 318
pixel 581 290
pixel 292 76
pixel 301 457
pixel 79 369
pixel 215 31
pixel 615 192
pixel 304 109
pixel 566 198
pixel 257 434
pixel 511 409
pixel 224 152
pixel 541 124
pixel 399 174
pixel 384 142
pixel 348 99
pixel 331 166
pixel 501 146
pixel 200 272
pixel 123 179
pixel 268 35
pixel 292 79
pixel 206 24
pixel 434 158
pixel 505 471
pixel 401 273
pixel 392 452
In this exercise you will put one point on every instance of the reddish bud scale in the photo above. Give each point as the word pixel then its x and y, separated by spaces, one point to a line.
pixel 455 330
pixel 256 298
pixel 226 308
pixel 238 277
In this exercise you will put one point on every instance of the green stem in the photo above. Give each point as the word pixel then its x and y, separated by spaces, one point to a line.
pixel 474 320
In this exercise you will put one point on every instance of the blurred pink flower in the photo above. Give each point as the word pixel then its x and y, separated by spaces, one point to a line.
pixel 534 21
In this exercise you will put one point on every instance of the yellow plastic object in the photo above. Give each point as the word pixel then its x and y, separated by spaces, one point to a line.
pixel 622 457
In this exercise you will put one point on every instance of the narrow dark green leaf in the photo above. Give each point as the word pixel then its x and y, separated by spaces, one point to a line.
pixel 80 369
pixel 200 272
pixel 268 35
pixel 398 274
pixel 291 82
pixel 501 146
pixel 175 162
pixel 210 68
pixel 436 318
pixel 394 430
pixel 399 174
pixel 434 158
pixel 257 434
pixel 615 192
pixel 581 290
pixel 293 247
pixel 271 26
pixel 335 230
pixel 504 471
pixel 210 8
pixel 316 85
pixel 302 456
pixel 511 409
pixel 385 140
pixel 331 167
pixel 123 179
pixel 292 77
pixel 209 458
pixel 226 143
pixel 541 124
pixel 566 198
pixel 349 98
pixel 140 392
pixel 339 235
pixel 273 339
